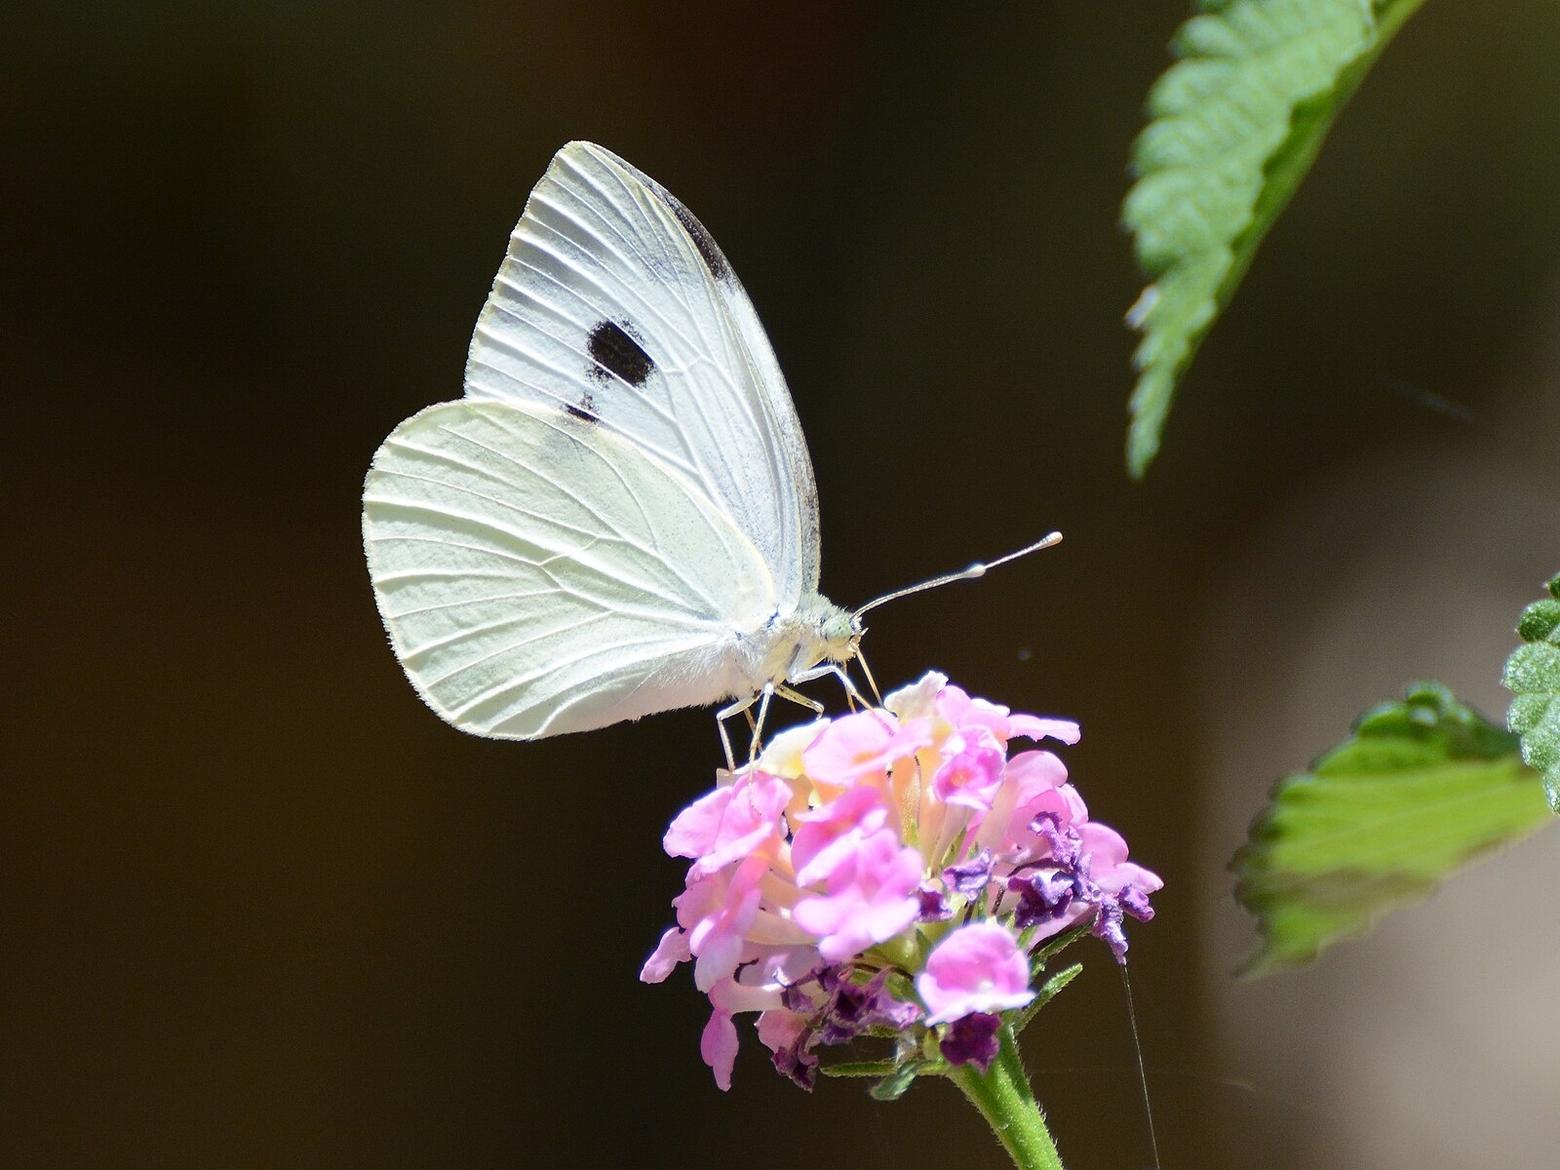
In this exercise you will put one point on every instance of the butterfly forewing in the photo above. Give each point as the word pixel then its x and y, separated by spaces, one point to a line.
pixel 539 573
pixel 615 306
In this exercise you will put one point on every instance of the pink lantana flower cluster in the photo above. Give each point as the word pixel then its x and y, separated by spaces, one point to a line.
pixel 890 873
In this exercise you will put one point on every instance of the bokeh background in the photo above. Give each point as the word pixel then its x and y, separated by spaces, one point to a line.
pixel 261 908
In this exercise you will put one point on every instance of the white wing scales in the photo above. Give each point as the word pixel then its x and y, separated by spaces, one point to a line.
pixel 539 573
pixel 613 302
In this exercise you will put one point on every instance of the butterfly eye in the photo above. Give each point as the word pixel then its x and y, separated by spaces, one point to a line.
pixel 838 628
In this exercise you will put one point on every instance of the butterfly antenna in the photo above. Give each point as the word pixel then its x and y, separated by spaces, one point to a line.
pixel 978 569
pixel 1137 1046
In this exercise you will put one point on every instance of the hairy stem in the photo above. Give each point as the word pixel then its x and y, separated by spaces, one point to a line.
pixel 1006 1101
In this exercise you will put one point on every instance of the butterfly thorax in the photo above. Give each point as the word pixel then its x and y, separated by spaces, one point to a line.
pixel 792 643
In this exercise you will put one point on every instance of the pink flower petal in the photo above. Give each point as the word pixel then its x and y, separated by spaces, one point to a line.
pixel 986 716
pixel 977 968
pixel 734 997
pixel 717 913
pixel 1038 727
pixel 718 1047
pixel 859 747
pixel 670 951
pixel 779 1027
pixel 1125 874
pixel 1103 846
pixel 1106 855
pixel 831 833
pixel 799 866
pixel 870 898
pixel 1035 772
pixel 971 778
pixel 730 823
pixel 919 699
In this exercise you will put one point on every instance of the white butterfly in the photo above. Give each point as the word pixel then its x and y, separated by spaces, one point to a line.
pixel 620 516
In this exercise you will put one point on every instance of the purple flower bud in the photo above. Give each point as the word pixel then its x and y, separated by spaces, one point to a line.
pixel 1135 902
pixel 934 907
pixel 1064 844
pixel 1107 928
pixel 971 1039
pixel 802 996
pixel 896 1013
pixel 842 1019
pixel 795 999
pixel 970 877
pixel 1044 895
pixel 855 1007
pixel 797 1064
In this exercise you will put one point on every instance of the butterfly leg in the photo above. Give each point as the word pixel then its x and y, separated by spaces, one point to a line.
pixel 799 699
pixel 852 694
pixel 758 724
pixel 741 706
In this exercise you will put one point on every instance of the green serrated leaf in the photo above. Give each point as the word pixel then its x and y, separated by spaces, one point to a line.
pixel 1235 124
pixel 1533 675
pixel 1418 788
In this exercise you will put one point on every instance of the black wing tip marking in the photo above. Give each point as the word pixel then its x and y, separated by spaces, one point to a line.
pixel 614 353
pixel 714 259
pixel 709 251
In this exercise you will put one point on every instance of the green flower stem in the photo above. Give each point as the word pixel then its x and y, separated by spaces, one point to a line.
pixel 1006 1101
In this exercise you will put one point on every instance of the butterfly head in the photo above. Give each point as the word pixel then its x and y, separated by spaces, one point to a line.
pixel 839 633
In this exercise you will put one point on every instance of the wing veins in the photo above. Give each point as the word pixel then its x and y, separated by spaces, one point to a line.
pixel 661 216
pixel 559 586
pixel 545 521
pixel 666 416
pixel 542 635
pixel 443 605
pixel 402 575
pixel 593 283
pixel 702 504
pixel 616 647
pixel 535 473
pixel 671 226
pixel 640 261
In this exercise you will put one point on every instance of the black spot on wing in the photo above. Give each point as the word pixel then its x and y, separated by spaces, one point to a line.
pixel 709 250
pixel 615 353
pixel 586 410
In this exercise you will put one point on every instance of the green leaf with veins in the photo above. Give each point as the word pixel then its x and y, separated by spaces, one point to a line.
pixel 1235 125
pixel 1420 787
pixel 1533 675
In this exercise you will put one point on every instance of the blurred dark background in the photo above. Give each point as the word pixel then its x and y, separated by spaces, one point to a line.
pixel 261 908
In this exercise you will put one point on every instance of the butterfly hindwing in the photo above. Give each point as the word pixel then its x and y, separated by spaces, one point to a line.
pixel 538 573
